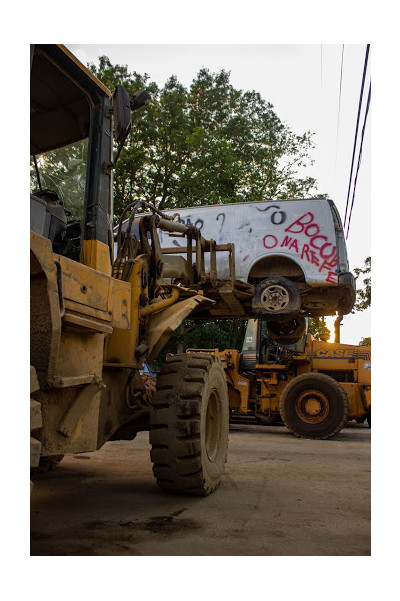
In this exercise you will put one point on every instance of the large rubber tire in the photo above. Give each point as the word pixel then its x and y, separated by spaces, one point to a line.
pixel 189 424
pixel 369 419
pixel 287 332
pixel 275 297
pixel 36 422
pixel 47 464
pixel 314 405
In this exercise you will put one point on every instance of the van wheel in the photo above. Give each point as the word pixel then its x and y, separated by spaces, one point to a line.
pixel 314 405
pixel 287 332
pixel 276 296
pixel 189 424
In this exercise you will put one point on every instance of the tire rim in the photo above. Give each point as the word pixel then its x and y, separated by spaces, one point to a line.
pixel 275 298
pixel 213 425
pixel 312 406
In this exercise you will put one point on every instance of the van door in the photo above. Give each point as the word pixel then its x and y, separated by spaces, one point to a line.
pixel 301 231
pixel 216 222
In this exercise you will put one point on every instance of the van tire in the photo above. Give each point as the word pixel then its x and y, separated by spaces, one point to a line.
pixel 314 405
pixel 288 331
pixel 189 424
pixel 276 296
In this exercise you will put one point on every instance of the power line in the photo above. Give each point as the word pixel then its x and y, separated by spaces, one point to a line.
pixel 340 96
pixel 356 132
pixel 359 157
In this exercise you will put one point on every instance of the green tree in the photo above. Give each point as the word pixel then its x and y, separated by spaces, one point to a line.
pixel 363 299
pixel 201 334
pixel 208 144
pixel 318 328
pixel 365 341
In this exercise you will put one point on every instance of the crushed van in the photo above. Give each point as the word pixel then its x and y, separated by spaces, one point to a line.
pixel 292 251
pixel 297 241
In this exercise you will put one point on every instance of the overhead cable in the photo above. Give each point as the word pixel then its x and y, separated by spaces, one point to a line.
pixel 356 132
pixel 340 96
pixel 359 158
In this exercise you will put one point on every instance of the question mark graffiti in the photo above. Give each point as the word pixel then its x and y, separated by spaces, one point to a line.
pixel 223 220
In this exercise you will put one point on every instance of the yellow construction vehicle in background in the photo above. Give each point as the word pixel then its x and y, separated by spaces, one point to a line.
pixel 95 320
pixel 314 387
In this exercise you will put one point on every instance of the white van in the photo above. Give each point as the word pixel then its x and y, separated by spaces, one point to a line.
pixel 293 251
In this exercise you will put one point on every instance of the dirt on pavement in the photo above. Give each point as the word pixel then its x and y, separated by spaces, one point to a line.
pixel 280 495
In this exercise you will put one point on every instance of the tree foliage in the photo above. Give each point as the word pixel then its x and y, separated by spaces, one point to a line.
pixel 365 341
pixel 363 299
pixel 318 328
pixel 208 144
pixel 200 334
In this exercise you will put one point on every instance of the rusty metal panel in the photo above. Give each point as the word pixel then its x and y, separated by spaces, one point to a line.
pixel 356 406
pixel 121 345
pixel 364 365
pixel 161 325
pixel 90 292
pixel 119 304
pixel 84 285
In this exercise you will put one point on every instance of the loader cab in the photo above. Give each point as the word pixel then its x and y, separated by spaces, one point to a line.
pixel 71 157
pixel 260 348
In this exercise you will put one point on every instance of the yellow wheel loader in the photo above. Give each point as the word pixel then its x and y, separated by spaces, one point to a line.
pixel 314 387
pixel 97 314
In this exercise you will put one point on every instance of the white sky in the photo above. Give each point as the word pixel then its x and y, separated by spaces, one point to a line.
pixel 302 81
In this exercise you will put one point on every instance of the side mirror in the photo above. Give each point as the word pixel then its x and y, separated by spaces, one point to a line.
pixel 122 114
pixel 122 107
pixel 138 99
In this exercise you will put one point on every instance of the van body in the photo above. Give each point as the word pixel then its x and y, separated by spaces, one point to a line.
pixel 297 242
pixel 300 240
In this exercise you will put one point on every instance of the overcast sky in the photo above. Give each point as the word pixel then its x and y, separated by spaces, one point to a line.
pixel 302 81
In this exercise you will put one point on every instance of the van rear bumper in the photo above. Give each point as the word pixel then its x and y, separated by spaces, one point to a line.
pixel 347 286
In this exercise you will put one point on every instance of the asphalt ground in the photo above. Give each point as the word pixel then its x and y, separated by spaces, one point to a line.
pixel 280 496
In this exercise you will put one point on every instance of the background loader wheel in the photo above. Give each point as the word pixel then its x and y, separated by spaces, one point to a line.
pixel 314 405
pixel 276 296
pixel 287 332
pixel 189 424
